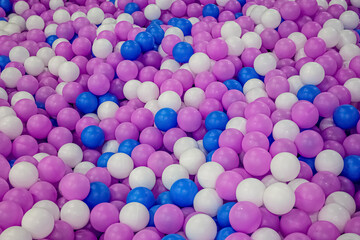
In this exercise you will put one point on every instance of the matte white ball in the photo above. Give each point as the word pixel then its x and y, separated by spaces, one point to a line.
pixel 222 3
pixel 54 64
pixel 175 31
pixel 200 227
pixel 336 214
pixel 295 84
pixel 130 89
pixel 253 83
pixel 340 2
pixel 6 111
pixel 230 29
pixel 252 40
pixel 77 15
pixel 279 198
pixel 355 3
pixel 23 175
pixel 286 129
pixel 208 173
pixel 207 201
pixel 238 123
pixel 193 97
pixel 285 167
pixel 125 17
pixel 192 159
pixel 251 190
pixel 271 18
pixel 84 167
pixel 349 236
pixel 349 51
pixel 182 145
pixel 95 15
pixel 152 12
pixel 169 99
pixel 265 234
pixel 153 106
pixel 15 233
pixel 76 213
pixel 170 64
pixel 10 76
pixel 164 4
pixel 3 94
pixel 235 45
pixel 254 94
pixel 299 39
pixel 135 215
pixel 147 91
pixel 346 37
pixel 264 63
pixel 21 95
pixel 294 184
pixel 34 66
pixel 120 165
pixel 55 4
pixel 330 161
pixel 40 156
pixel 172 173
pixel 330 36
pixel 61 16
pixel 45 54
pixel 334 23
pixel 344 199
pixel 350 19
pixel 101 48
pixel 35 22
pixel 71 154
pixel 11 126
pixel 199 62
pixel 107 110
pixel 20 7
pixel 312 73
pixel 49 206
pixel 19 21
pixel 142 177
pixel 353 85
pixel 286 101
pixel 110 146
pixel 18 54
pixel 268 180
pixel 69 71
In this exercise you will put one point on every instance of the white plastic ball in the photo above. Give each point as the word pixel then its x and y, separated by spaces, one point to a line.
pixel 61 16
pixel 279 198
pixel 130 89
pixel 54 64
pixel 252 40
pixel 18 54
pixel 147 91
pixel 19 21
pixel 299 39
pixel 259 28
pixel 235 45
pixel 222 3
pixel 285 100
pixel 200 227
pixel 20 7
pixel 271 18
pixel 257 13
pixel 10 76
pixel 55 4
pixel 40 156
pixel 21 95
pixel 353 85
pixel 142 177
pixel 175 31
pixel 323 3
pixel 230 29
pixel 71 154
pixel 238 123
pixel 182 145
pixel 355 3
pixel 76 213
pixel 251 190
pixel 3 94
pixel 193 97
pixel 125 17
pixel 199 62
pixel 194 20
pixel 192 159
pixel 312 73
pixel 253 83
pixel 59 88
pixel 170 99
pixel 164 4
pixel 295 84
pixel 110 146
pixel 34 66
pixel 95 15
pixel 120 165
pixel 45 54
pixel 265 234
pixel 300 54
pixel 334 23
pixel 102 48
pixel 346 37
pixel 23 175
pixel 69 71
pixel 50 29
pixel 285 167
pixel 349 51
pixel 336 214
pixel 83 167
pixel 11 126
pixel 294 184
pixel 330 161
pixel 93 115
pixel 286 129
pixel 340 2
pixel 264 63
pixel 170 64
pixel 326 122
pixel 344 199
pixel 35 22
pixel 250 9
pixel 152 12
pixel 15 233
pixel 208 173
pixel 268 180
pixel 153 106
pixel 172 173
pixel 349 236
pixel 254 94
pixel 330 36
pixel 49 206
pixel 12 28
pixel 135 215
pixel 77 15
pixel 107 110
pixel 207 201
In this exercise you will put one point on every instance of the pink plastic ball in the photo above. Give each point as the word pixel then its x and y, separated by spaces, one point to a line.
pixel 118 231
pixel 171 136
pixel 245 217
pixel 209 105
pixel 231 138
pixel 351 144
pixel 25 108
pixel 168 219
pixel 256 161
pixel 55 103
pixel 158 161
pixel 248 56
pixel 126 70
pixel 151 136
pixel 226 157
pixel 125 131
pixel 295 221
pixel 315 47
pixel 43 191
pixel 99 174
pixel 285 48
pixel 203 79
pixel 226 185
pixel 217 49
pixel 74 186
pixel 304 114
pixel 24 145
pixel 39 126
pixel 323 230
pixel 10 214
pixel 309 197
pixel 189 119
pixel 223 70
pixel 269 38
pixel 62 230
pixel 141 154
pixel 256 107
pixel 327 181
pixel 59 136
pixel 309 143
pixel 236 109
pixel 51 169
pixel 103 215
pixel 283 145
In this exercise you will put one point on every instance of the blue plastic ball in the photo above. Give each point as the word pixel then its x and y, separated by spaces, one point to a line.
pixel 157 21
pixel 11 162
pixel 223 214
pixel 185 26
pixel 164 198
pixel 127 146
pixel 246 74
pixel 310 162
pixel 233 84
pixel 4 60
pixel 86 102
pixel 211 140
pixel 209 156
pixel 173 237
pixel 145 40
pixel 182 52
pixel 99 193
pixel 152 212
pixel 108 97
pixel 238 14
pixel 131 7
pixel 3 19
pixel 183 192
pixel 103 159
pixel 352 168
pixel 130 50
pixel 211 10
pixel 51 39
pixel 346 116
pixel 308 92
pixel 165 119
pixel 92 137
pixel 242 2
pixel 141 195
pixel 216 120
pixel 156 31
pixel 6 5
pixel 173 21
pixel 224 233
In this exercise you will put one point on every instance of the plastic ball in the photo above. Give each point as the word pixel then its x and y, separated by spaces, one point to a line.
pixel 74 186
pixel 279 198
pixel 87 102
pixel 245 217
pixel 182 52
pixel 142 195
pixel 145 40
pixel 286 161
pixel 92 137
pixel 216 120
pixel 165 119
pixel 308 92
pixel 39 222
pixel 329 160
pixel 130 50
pixel 183 192
pixel 76 213
pixel 168 219
pixel 15 233
pixel 172 173
pixel 135 215
pixel 71 154
pixel 23 175
pixel 200 226
pixel 210 10
pixel 346 116
pixel 99 193
pixel 142 177
pixel 169 99
pixel 103 216
pixel 351 166
pixel 312 73
pixel 152 12
pixel 251 190
pixel 344 199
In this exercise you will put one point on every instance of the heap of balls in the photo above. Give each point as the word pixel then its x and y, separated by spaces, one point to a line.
pixel 184 119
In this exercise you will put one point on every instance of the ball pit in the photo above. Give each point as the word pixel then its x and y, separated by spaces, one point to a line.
pixel 185 119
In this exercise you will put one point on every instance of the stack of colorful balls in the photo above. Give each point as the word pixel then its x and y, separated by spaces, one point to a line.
pixel 179 119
